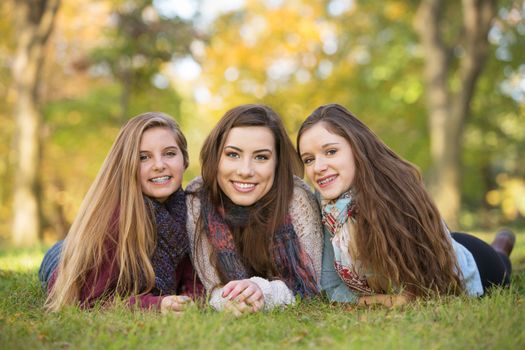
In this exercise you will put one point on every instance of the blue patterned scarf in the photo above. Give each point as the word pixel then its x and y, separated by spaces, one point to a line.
pixel 336 213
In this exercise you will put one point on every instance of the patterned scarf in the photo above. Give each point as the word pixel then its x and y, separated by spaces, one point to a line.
pixel 335 215
pixel 292 263
pixel 172 240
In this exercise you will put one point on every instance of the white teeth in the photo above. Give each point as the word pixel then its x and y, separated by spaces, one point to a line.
pixel 160 179
pixel 323 181
pixel 243 185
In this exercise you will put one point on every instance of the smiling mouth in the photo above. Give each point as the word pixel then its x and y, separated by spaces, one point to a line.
pixel 243 186
pixel 327 180
pixel 161 180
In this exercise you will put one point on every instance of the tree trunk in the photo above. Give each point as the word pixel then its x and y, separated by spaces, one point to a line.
pixel 448 110
pixel 34 22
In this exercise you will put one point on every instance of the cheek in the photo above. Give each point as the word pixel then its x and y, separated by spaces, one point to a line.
pixel 181 167
pixel 143 172
pixel 270 174
pixel 222 169
pixel 309 171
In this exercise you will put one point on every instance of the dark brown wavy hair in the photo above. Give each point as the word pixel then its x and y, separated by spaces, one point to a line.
pixel 254 241
pixel 400 236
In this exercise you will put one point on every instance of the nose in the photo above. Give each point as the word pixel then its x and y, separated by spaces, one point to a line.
pixel 320 165
pixel 159 164
pixel 245 169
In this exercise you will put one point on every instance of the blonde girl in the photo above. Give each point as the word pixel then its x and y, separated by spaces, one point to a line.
pixel 129 237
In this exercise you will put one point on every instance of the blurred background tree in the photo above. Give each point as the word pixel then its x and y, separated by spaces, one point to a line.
pixel 108 60
pixel 33 22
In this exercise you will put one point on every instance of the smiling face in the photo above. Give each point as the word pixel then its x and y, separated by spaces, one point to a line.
pixel 247 164
pixel 328 160
pixel 161 163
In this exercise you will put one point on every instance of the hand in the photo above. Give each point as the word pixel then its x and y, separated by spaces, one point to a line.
pixel 238 308
pixel 174 303
pixel 388 300
pixel 244 292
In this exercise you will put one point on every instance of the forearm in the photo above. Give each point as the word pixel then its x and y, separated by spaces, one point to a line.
pixel 275 294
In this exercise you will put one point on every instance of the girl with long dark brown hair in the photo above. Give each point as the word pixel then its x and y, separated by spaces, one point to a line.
pixel 129 238
pixel 255 229
pixel 385 240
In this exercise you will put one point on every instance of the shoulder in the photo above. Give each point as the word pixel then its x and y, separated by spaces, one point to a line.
pixel 304 209
pixel 194 186
pixel 302 195
pixel 192 199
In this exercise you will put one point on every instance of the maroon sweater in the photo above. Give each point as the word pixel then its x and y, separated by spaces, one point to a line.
pixel 104 282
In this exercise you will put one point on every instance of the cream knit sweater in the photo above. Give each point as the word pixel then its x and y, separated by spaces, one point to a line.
pixel 306 221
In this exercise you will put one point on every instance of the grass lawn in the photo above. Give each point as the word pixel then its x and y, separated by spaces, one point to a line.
pixel 493 322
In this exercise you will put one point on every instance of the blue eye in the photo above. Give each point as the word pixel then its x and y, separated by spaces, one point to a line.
pixel 143 157
pixel 331 151
pixel 232 155
pixel 261 157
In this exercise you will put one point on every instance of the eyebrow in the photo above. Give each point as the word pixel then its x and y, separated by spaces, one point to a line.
pixel 330 144
pixel 256 151
pixel 165 148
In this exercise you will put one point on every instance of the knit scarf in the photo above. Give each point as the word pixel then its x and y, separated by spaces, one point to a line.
pixel 172 240
pixel 335 215
pixel 291 261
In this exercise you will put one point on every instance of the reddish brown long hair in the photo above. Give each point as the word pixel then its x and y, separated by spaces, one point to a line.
pixel 400 236
pixel 270 211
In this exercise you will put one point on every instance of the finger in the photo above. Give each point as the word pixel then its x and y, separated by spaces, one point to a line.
pixel 239 288
pixel 182 299
pixel 175 306
pixel 232 308
pixel 176 302
pixel 243 308
pixel 166 305
pixel 246 293
pixel 228 288
pixel 255 297
pixel 257 305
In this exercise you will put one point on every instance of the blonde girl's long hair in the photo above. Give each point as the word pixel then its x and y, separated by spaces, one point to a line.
pixel 113 213
pixel 399 236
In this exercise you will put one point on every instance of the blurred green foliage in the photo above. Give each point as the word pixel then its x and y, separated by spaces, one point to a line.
pixel 293 56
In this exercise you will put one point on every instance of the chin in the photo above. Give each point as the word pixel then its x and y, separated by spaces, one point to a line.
pixel 243 202
pixel 328 194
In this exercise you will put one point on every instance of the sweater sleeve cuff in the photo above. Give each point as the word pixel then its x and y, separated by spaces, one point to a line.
pixel 146 301
pixel 276 293
pixel 217 302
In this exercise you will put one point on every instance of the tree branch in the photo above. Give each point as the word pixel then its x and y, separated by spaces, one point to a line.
pixel 477 18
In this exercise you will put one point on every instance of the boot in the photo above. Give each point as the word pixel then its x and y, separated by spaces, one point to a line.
pixel 504 241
